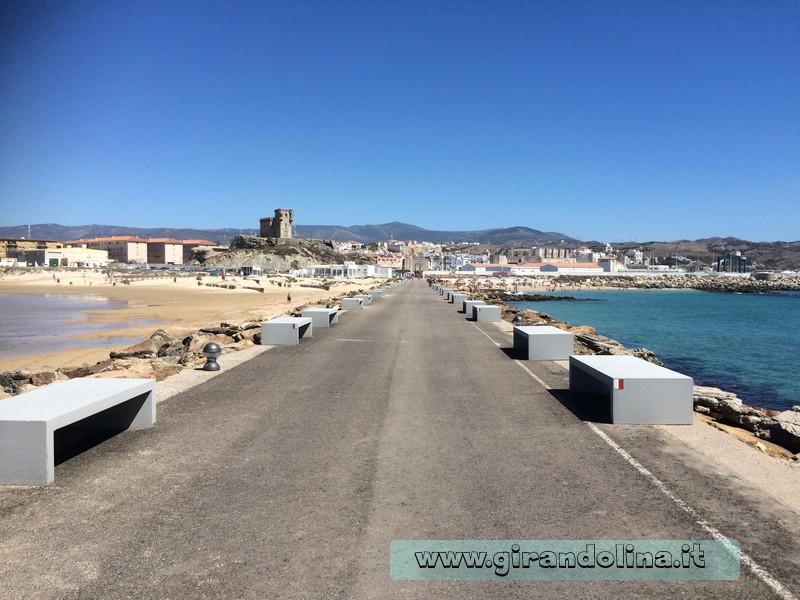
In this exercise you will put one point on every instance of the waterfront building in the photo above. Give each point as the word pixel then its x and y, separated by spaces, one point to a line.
pixel 75 257
pixel 534 254
pixel 59 257
pixel 15 248
pixel 609 263
pixel 348 270
pixel 572 268
pixel 164 251
pixel 734 262
pixel 123 249
pixel 556 268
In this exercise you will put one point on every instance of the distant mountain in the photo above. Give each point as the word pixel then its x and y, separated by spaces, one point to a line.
pixel 63 233
pixel 402 231
pixel 364 234
pixel 760 255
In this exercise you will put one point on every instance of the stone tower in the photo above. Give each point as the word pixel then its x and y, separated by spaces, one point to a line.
pixel 279 226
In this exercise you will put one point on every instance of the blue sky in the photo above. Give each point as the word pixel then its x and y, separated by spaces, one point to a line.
pixel 603 120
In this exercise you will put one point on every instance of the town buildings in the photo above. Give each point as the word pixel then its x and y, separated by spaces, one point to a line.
pixel 561 268
pixel 348 270
pixel 48 253
pixel 133 250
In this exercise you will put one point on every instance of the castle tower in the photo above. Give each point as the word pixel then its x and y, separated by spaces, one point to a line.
pixel 279 226
pixel 284 218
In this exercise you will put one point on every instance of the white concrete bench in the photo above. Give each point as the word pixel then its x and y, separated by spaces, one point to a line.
pixel 352 303
pixel 468 304
pixel 322 317
pixel 375 294
pixel 458 299
pixel 485 313
pixel 544 342
pixel 28 421
pixel 285 331
pixel 639 391
pixel 366 298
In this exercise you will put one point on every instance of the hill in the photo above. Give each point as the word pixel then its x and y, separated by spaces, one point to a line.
pixel 63 233
pixel 365 234
pixel 760 255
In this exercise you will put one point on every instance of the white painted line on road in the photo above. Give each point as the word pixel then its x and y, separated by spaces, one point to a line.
pixel 486 334
pixel 754 567
pixel 529 372
pixel 760 572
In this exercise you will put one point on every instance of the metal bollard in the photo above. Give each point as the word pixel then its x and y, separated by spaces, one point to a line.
pixel 211 351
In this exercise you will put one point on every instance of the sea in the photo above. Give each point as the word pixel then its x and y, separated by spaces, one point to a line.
pixel 742 343
pixel 41 324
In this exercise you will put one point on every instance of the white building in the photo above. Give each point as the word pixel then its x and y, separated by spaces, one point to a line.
pixel 349 270
pixel 634 257
pixel 124 249
pixel 66 257
pixel 572 268
pixel 609 264
pixel 559 268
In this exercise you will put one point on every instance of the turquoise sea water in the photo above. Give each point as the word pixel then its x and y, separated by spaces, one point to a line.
pixel 743 343
pixel 41 324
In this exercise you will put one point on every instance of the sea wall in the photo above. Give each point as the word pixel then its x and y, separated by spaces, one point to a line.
pixel 707 283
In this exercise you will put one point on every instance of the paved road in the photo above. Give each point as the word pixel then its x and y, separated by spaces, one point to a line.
pixel 289 475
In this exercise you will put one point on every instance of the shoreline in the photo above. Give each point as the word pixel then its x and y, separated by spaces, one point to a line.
pixel 179 304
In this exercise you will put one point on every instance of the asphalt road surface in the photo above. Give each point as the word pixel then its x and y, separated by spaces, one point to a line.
pixel 290 475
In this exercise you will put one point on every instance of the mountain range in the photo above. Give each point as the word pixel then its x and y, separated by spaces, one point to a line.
pixel 364 234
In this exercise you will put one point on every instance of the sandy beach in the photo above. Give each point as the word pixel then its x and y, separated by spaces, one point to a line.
pixel 179 302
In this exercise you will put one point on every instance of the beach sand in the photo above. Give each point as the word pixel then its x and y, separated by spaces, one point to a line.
pixel 180 306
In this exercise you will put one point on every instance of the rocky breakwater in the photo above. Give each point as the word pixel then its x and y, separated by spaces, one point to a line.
pixel 779 428
pixel 157 357
pixel 706 283
pixel 587 340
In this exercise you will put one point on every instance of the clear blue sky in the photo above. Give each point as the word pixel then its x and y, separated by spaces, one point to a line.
pixel 602 120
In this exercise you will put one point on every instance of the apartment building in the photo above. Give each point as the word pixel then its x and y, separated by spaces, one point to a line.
pixel 123 249
pixel 164 251
pixel 10 248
